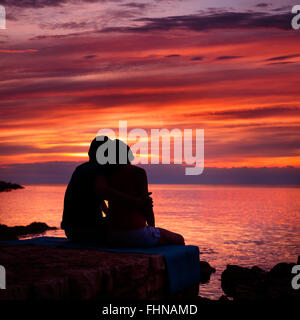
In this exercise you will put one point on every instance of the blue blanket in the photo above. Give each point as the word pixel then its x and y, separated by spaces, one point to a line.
pixel 182 262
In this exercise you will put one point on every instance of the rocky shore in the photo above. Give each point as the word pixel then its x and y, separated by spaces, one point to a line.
pixel 8 186
pixel 40 273
pixel 43 273
pixel 255 284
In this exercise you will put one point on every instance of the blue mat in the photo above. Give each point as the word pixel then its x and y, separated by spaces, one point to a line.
pixel 182 262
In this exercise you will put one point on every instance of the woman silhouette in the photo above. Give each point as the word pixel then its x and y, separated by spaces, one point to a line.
pixel 132 226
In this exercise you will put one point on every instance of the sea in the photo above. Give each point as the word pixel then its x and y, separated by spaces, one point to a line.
pixel 241 225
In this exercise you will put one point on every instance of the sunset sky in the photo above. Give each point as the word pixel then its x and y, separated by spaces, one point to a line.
pixel 69 68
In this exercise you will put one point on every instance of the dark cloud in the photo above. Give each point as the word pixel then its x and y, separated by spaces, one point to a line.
pixel 91 56
pixel 228 57
pixel 198 58
pixel 172 56
pixel 135 5
pixel 56 36
pixel 70 25
pixel 60 172
pixel 44 3
pixel 251 113
pixel 47 172
pixel 202 22
pixel 279 63
pixel 7 149
pixel 283 57
pixel 245 175
pixel 32 3
pixel 274 129
pixel 262 5
pixel 270 146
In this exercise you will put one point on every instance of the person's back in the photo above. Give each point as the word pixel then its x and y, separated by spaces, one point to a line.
pixel 82 206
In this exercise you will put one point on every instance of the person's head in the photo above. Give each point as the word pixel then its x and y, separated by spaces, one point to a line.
pixel 95 144
pixel 115 151
pixel 124 154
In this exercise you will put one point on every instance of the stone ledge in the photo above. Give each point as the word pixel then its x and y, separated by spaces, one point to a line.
pixel 43 273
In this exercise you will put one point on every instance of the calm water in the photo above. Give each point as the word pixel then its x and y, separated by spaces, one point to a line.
pixel 231 224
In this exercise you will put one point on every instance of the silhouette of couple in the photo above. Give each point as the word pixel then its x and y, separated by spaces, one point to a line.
pixel 110 203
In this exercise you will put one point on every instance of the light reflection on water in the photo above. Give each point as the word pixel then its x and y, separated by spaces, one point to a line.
pixel 241 225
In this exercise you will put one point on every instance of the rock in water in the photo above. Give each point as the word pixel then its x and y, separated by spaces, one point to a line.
pixel 242 283
pixel 12 233
pixel 205 271
pixel 8 186
pixel 256 284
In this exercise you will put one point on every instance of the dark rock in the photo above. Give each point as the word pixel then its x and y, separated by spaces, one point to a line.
pixel 34 227
pixel 223 298
pixel 257 269
pixel 12 233
pixel 8 186
pixel 205 271
pixel 7 233
pixel 279 282
pixel 240 282
pixel 256 284
pixel 281 270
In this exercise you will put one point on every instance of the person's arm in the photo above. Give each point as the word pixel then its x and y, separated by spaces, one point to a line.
pixel 142 189
pixel 108 193
pixel 104 207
